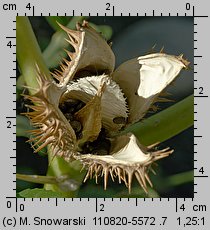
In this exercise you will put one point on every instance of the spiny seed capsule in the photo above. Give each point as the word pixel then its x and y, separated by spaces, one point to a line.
pixel 98 103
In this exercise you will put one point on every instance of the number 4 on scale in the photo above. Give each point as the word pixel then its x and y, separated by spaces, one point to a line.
pixel 10 45
pixel 28 6
pixel 201 170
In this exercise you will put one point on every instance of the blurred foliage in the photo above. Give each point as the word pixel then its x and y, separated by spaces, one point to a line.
pixel 39 193
pixel 23 126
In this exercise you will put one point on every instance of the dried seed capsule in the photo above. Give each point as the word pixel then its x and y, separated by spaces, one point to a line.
pixel 113 103
pixel 128 92
pixel 142 80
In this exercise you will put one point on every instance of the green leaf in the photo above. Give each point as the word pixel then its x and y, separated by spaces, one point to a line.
pixel 29 54
pixel 90 189
pixel 58 167
pixel 105 30
pixel 40 193
pixel 23 126
pixel 165 124
pixel 96 190
pixel 52 20
pixel 137 192
pixel 20 83
pixel 180 178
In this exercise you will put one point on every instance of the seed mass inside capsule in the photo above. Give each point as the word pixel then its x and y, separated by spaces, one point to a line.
pixel 101 145
pixel 69 108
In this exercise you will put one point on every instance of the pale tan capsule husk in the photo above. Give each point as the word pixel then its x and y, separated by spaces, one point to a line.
pixel 112 101
pixel 127 158
pixel 92 54
pixel 144 78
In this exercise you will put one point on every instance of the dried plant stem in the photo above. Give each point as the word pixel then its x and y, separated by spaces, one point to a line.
pixel 37 179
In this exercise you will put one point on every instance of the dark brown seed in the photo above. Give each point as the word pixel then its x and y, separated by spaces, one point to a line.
pixel 79 106
pixel 101 147
pixel 120 120
pixel 71 110
pixel 87 148
pixel 83 73
pixel 70 102
pixel 68 116
pixel 100 152
pixel 79 135
pixel 63 108
pixel 76 125
pixel 69 105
